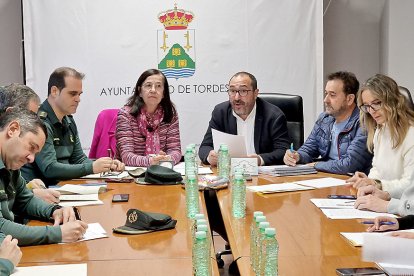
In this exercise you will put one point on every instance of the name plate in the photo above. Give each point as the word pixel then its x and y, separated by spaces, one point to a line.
pixel 249 165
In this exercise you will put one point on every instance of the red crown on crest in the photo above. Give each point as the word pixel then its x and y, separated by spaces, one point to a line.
pixel 176 19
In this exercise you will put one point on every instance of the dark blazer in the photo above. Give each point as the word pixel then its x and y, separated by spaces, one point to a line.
pixel 271 137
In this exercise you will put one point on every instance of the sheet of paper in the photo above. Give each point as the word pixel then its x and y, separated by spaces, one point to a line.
pixel 94 231
pixel 52 270
pixel 201 170
pixel 356 238
pixel 333 203
pixel 395 269
pixel 278 188
pixel 352 214
pixel 80 203
pixel 80 190
pixel 79 197
pixel 322 182
pixel 388 249
pixel 236 143
pixel 112 175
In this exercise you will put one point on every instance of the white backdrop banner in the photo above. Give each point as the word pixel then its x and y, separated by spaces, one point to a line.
pixel 198 44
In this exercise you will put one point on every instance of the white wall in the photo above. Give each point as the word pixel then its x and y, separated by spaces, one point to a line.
pixel 398 42
pixel 352 37
pixel 11 69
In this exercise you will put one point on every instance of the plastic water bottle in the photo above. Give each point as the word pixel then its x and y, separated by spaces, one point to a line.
pixel 200 254
pixel 203 227
pixel 238 197
pixel 270 253
pixel 189 161
pixel 260 237
pixel 224 161
pixel 253 233
pixel 191 196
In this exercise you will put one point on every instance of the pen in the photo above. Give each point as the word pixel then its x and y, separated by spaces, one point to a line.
pixel 291 148
pixel 381 223
pixel 77 213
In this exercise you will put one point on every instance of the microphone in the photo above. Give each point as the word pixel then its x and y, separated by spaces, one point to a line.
pixel 150 129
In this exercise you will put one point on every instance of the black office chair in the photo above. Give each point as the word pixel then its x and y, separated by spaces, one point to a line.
pixel 407 95
pixel 292 106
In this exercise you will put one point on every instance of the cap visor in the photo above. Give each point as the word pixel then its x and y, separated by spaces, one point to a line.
pixel 130 231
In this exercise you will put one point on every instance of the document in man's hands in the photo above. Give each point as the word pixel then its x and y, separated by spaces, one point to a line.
pixel 236 143
pixel 278 188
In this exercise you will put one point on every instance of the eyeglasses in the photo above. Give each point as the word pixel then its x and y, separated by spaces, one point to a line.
pixel 242 93
pixel 373 107
pixel 157 86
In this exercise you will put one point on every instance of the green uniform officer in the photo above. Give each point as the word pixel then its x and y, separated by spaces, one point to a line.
pixel 62 157
pixel 22 135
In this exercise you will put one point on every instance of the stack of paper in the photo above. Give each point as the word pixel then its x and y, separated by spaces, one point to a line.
pixel 78 195
pixel 284 170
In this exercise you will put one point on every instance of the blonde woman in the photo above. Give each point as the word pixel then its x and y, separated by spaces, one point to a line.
pixel 389 124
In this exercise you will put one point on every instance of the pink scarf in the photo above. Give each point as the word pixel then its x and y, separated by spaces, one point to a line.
pixel 148 127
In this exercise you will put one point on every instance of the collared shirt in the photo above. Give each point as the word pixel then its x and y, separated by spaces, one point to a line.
pixel 246 129
pixel 337 128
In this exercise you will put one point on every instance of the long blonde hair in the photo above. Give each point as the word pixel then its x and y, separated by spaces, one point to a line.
pixel 399 117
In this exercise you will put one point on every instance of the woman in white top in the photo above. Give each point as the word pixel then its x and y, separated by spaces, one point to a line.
pixel 389 123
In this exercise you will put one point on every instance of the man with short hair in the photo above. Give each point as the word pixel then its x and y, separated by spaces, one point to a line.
pixel 336 137
pixel 262 124
pixel 21 96
pixel 22 135
pixel 62 156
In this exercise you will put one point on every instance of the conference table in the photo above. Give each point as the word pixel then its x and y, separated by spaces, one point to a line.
pixel 309 242
pixel 166 252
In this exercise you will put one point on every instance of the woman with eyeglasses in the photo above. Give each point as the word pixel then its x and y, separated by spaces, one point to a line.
pixel 389 124
pixel 147 126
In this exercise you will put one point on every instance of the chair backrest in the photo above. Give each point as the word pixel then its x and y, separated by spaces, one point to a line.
pixel 292 106
pixel 104 134
pixel 407 95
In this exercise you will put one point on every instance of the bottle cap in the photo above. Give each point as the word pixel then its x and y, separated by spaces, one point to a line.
pixel 201 221
pixel 203 227
pixel 189 148
pixel 260 219
pixel 270 232
pixel 200 235
pixel 257 213
pixel 263 225
pixel 199 216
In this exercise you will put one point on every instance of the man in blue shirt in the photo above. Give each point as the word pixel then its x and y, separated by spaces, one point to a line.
pixel 336 139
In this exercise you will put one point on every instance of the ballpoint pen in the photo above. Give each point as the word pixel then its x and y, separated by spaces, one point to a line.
pixel 291 148
pixel 381 223
pixel 77 213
